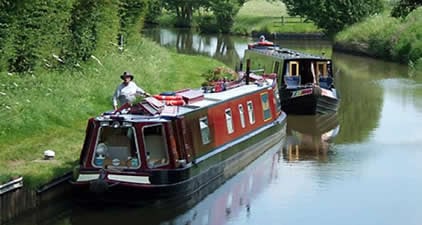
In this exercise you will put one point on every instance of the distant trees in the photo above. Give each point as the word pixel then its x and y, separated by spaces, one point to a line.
pixel 333 15
pixel 219 13
pixel 404 7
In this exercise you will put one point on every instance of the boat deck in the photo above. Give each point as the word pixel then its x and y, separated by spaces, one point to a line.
pixel 285 53
pixel 197 99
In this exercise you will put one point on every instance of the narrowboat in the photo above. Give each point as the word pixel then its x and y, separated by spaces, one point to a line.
pixel 306 81
pixel 155 149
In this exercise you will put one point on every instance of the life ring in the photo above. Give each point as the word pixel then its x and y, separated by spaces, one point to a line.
pixel 167 97
pixel 265 43
pixel 174 102
pixel 260 43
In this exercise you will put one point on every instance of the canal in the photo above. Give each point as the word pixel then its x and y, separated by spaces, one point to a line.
pixel 360 166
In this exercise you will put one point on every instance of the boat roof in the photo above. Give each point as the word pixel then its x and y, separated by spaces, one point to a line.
pixel 285 53
pixel 218 97
pixel 151 109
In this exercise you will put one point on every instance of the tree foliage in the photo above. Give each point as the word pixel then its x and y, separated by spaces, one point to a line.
pixel 153 11
pixel 183 10
pixel 222 12
pixel 225 12
pixel 5 32
pixel 404 7
pixel 38 34
pixel 333 15
pixel 131 14
pixel 31 33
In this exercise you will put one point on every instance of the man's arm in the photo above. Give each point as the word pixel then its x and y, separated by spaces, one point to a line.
pixel 115 96
pixel 141 91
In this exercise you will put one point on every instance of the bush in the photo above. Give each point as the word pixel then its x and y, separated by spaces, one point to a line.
pixel 182 22
pixel 153 12
pixel 225 13
pixel 408 38
pixel 208 24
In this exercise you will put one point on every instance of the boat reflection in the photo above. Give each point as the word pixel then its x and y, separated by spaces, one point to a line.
pixel 310 137
pixel 233 199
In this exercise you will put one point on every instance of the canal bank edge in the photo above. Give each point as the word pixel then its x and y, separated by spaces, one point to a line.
pixel 290 36
pixel 19 200
pixel 360 49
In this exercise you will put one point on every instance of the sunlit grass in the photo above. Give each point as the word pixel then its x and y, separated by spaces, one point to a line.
pixel 388 37
pixel 262 8
pixel 375 26
pixel 265 16
pixel 49 110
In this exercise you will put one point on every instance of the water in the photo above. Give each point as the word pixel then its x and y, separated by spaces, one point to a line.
pixel 360 166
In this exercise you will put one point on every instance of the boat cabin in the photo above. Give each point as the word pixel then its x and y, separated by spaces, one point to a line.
pixel 295 68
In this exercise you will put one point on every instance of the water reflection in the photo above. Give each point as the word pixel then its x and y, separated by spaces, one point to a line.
pixel 225 48
pixel 310 137
pixel 362 95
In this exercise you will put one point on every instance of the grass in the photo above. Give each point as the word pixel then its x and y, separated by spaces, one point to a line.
pixel 265 16
pixel 48 110
pixel 389 38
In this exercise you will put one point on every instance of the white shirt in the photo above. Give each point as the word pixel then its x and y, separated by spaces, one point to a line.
pixel 126 93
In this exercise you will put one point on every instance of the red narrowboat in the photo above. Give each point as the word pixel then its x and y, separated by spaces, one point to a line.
pixel 157 150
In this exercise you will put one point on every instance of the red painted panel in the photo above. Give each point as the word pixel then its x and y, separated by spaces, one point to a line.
pixel 217 118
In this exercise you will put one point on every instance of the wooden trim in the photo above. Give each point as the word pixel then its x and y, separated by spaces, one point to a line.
pixel 296 65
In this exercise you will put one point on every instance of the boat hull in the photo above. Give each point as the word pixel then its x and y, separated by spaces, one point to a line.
pixel 309 101
pixel 213 170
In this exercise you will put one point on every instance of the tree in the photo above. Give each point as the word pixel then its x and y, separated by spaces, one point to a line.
pixel 333 15
pixel 153 11
pixel 225 11
pixel 404 7
pixel 183 9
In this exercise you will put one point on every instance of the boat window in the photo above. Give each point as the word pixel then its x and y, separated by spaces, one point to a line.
pixel 251 113
pixel 294 68
pixel 116 147
pixel 229 121
pixel 205 130
pixel 276 67
pixel 322 69
pixel 266 106
pixel 242 116
pixel 155 145
pixel 277 101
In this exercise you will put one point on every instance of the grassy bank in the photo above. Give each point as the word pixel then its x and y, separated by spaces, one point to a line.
pixel 265 16
pixel 389 38
pixel 49 110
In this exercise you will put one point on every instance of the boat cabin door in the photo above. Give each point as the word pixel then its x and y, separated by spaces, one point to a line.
pixel 292 77
pixel 321 69
pixel 155 145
